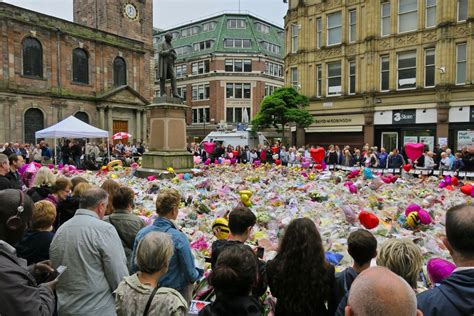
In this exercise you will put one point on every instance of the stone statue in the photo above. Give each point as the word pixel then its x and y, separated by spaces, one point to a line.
pixel 167 56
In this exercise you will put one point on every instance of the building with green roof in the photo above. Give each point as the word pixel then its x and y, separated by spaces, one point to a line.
pixel 226 65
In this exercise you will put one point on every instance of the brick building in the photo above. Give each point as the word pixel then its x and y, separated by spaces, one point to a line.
pixel 384 72
pixel 97 68
pixel 226 65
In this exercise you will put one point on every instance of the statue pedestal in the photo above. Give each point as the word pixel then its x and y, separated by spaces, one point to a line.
pixel 167 139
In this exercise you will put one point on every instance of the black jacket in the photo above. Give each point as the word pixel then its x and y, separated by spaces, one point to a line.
pixel 262 284
pixel 15 180
pixel 343 283
pixel 66 210
pixel 39 193
pixel 34 247
pixel 235 306
pixel 454 296
pixel 5 183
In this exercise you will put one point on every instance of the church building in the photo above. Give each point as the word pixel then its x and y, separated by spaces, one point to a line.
pixel 97 68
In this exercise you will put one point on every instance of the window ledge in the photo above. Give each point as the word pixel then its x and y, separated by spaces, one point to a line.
pixel 34 77
pixel 81 84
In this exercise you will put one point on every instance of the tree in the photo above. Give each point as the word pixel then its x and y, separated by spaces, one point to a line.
pixel 284 106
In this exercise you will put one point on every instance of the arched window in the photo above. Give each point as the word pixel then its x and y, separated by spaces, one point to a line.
pixel 32 57
pixel 34 121
pixel 83 116
pixel 120 72
pixel 80 66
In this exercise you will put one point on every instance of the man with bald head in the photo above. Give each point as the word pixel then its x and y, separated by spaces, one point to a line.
pixel 380 292
pixel 455 295
pixel 19 291
pixel 93 253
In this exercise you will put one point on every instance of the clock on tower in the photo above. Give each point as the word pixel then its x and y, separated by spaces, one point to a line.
pixel 128 18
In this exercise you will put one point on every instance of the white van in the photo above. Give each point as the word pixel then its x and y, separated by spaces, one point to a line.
pixel 237 138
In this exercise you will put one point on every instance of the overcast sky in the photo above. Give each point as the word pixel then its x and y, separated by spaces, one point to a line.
pixel 167 13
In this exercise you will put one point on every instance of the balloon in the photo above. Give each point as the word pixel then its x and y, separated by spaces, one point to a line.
pixel 467 189
pixel 207 162
pixel 442 184
pixel 317 154
pixel 305 164
pixel 197 160
pixel 353 173
pixel 439 269
pixel 278 162
pixel 424 216
pixel 151 178
pixel 386 179
pixel 220 228
pixel 352 189
pixel 187 176
pixel 454 181
pixel 407 167
pixel 230 155
pixel 209 147
pixel 368 173
pixel 413 219
pixel 349 213
pixel 412 208
pixel 414 151
pixel 447 179
pixel 368 220
pixel 275 149
pixel 235 153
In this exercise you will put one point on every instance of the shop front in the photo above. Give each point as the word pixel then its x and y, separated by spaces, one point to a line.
pixel 338 130
pixel 461 126
pixel 395 128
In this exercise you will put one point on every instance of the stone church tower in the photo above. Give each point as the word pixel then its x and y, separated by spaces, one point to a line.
pixel 128 18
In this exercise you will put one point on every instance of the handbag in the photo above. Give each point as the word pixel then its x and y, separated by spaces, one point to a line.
pixel 150 299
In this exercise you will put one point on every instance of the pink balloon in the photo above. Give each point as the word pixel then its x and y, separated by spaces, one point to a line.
pixel 414 151
pixel 209 147
pixel 412 208
pixel 424 216
pixel 151 178
pixel 197 159
pixel 305 164
pixel 439 269
pixel 353 189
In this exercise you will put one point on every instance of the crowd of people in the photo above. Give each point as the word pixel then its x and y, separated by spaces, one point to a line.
pixel 442 157
pixel 115 264
pixel 76 152
pixel 118 265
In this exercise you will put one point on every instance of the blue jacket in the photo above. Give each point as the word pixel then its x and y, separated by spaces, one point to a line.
pixel 454 296
pixel 181 271
pixel 383 159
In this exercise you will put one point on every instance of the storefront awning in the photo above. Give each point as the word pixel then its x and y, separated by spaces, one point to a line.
pixel 333 129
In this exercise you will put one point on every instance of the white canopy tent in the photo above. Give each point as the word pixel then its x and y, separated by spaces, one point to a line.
pixel 72 127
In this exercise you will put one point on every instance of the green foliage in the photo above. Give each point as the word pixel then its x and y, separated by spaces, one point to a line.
pixel 284 106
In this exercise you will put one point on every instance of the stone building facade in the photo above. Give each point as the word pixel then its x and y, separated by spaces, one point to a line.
pixel 97 68
pixel 383 72
pixel 226 65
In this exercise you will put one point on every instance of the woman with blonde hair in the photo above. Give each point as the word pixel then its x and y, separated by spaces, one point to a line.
pixel 142 289
pixel 42 184
pixel 402 257
pixel 34 247
pixel 182 272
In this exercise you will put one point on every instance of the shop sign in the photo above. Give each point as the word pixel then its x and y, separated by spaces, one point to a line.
pixel 404 117
pixel 472 114
pixel 337 120
pixel 238 103
pixel 465 138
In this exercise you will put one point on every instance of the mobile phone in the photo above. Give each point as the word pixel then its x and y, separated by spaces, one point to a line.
pixel 54 276
pixel 260 252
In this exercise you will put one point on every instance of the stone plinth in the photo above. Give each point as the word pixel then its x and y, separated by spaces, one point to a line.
pixel 167 141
